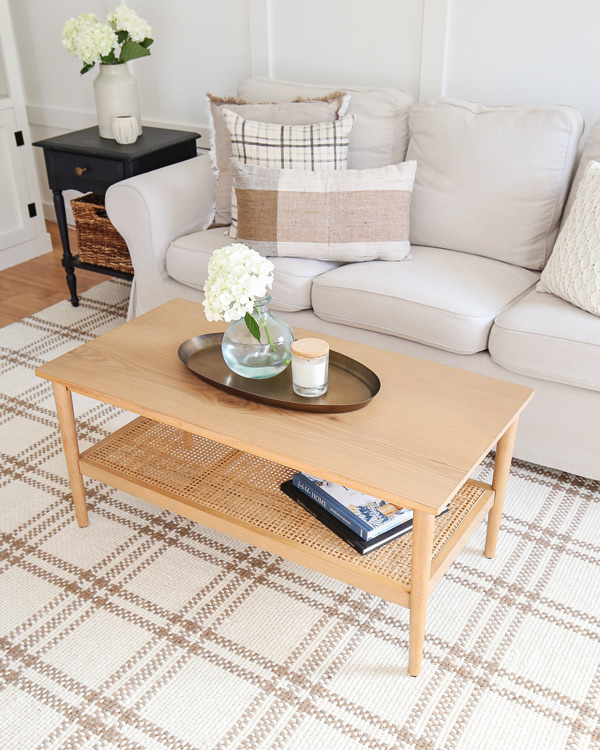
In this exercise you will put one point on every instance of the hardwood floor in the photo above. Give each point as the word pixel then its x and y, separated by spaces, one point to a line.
pixel 40 282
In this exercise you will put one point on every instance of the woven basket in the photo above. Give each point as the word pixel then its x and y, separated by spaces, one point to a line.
pixel 99 242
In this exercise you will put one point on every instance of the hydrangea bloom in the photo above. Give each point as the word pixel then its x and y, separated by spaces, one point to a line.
pixel 86 38
pixel 237 275
pixel 124 19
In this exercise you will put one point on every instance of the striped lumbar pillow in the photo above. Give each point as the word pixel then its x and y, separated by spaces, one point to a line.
pixel 319 146
pixel 351 215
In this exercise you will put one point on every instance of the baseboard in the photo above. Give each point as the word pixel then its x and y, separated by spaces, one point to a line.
pixel 67 120
pixel 25 251
pixel 50 214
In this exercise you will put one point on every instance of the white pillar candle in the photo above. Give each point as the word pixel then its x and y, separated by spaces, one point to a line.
pixel 310 363
pixel 308 373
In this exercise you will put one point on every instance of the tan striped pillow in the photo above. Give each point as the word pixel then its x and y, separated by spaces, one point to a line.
pixel 348 215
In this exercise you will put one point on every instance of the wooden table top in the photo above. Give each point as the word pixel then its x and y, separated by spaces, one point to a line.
pixel 414 444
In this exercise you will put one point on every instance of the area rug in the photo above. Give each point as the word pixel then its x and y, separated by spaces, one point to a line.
pixel 145 630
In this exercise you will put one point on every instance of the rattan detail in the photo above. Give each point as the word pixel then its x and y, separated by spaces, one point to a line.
pixel 99 242
pixel 246 488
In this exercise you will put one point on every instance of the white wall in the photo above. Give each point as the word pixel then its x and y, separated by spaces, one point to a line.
pixel 525 52
pixel 509 52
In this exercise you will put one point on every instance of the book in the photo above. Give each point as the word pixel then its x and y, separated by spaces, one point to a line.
pixel 366 515
pixel 340 529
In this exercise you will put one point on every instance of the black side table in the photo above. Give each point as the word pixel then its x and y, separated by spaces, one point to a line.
pixel 83 161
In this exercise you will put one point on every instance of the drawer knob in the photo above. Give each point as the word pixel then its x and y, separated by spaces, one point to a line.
pixel 80 170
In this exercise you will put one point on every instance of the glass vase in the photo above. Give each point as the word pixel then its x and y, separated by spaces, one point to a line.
pixel 250 358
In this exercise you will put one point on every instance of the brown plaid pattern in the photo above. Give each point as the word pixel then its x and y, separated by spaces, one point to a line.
pixel 319 146
pixel 145 631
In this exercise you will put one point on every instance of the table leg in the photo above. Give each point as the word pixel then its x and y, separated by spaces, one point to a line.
pixel 504 452
pixel 67 259
pixel 422 550
pixel 68 431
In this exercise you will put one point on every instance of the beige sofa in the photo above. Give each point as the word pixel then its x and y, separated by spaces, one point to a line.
pixel 491 189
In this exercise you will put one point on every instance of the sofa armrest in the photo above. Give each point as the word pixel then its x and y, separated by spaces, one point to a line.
pixel 153 209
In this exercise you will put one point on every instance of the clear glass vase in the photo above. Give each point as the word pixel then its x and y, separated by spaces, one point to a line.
pixel 250 358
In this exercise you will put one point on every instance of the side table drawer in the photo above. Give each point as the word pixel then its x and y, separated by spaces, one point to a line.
pixel 76 172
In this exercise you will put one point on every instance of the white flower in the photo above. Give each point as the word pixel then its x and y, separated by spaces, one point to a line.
pixel 124 19
pixel 86 38
pixel 237 275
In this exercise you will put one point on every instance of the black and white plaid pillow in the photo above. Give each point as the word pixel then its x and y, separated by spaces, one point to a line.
pixel 323 145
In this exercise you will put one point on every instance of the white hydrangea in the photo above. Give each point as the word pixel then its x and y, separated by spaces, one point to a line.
pixel 237 275
pixel 124 19
pixel 86 38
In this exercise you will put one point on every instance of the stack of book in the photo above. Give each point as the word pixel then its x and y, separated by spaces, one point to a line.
pixel 365 522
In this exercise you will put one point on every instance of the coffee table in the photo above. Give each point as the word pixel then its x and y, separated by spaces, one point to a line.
pixel 219 459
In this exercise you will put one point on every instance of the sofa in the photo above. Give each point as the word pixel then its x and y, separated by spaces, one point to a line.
pixel 493 187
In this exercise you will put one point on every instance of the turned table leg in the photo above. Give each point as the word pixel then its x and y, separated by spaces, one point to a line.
pixel 422 550
pixel 68 431
pixel 504 452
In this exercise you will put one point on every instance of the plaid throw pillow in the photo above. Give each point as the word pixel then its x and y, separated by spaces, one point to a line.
pixel 321 146
pixel 302 112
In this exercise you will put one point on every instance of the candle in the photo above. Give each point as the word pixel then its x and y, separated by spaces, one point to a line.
pixel 310 363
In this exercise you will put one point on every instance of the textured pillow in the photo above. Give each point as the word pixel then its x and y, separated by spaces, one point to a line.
pixel 573 271
pixel 349 215
pixel 320 146
pixel 300 112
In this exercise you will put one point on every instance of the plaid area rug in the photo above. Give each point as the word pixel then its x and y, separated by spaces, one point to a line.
pixel 145 630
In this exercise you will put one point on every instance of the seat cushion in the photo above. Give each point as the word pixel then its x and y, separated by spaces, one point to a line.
pixel 545 337
pixel 380 135
pixel 187 262
pixel 442 298
pixel 491 180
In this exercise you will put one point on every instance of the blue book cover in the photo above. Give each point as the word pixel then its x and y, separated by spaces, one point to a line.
pixel 366 515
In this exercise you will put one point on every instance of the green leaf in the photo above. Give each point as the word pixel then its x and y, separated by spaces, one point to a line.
pixel 147 42
pixel 87 67
pixel 122 36
pixel 252 326
pixel 110 58
pixel 132 50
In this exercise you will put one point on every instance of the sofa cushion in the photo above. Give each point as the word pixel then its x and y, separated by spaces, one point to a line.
pixel 329 108
pixel 545 337
pixel 491 180
pixel 573 271
pixel 320 146
pixel 380 135
pixel 442 298
pixel 591 152
pixel 347 215
pixel 187 262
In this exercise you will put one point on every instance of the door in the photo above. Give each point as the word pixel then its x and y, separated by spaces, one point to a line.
pixel 16 225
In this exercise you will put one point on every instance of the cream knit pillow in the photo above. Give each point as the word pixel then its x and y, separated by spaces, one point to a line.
pixel 573 270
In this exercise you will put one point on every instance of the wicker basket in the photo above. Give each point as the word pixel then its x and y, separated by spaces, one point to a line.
pixel 99 242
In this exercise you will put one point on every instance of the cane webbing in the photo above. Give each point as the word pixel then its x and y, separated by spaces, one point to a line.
pixel 247 488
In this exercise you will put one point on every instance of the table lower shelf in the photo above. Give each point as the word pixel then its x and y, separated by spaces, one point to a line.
pixel 239 494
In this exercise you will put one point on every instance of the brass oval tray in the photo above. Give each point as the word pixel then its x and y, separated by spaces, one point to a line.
pixel 351 384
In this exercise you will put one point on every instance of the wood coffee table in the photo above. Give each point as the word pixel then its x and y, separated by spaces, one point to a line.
pixel 219 459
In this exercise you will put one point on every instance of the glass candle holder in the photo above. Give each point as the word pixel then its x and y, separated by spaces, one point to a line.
pixel 310 366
